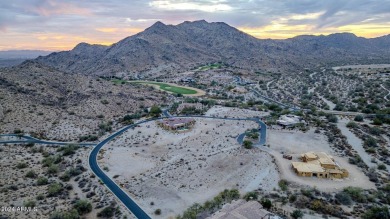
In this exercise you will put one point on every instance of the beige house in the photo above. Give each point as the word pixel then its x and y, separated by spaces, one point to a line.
pixel 176 124
pixel 320 165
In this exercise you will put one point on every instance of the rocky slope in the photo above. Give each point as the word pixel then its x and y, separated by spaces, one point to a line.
pixel 36 98
pixel 172 48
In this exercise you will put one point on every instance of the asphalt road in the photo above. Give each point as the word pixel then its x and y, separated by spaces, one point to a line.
pixel 110 184
pixel 118 192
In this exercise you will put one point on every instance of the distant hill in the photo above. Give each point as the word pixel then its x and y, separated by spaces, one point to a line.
pixel 14 57
pixel 186 45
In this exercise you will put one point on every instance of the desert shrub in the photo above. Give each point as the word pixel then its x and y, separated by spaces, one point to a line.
pixel 351 125
pixel 155 111
pixel 21 165
pixel 68 150
pixel 29 203
pixel 377 212
pixel 40 197
pixel 83 207
pixel 42 181
pixel 370 142
pixel 251 196
pixel 52 169
pixel 104 102
pixel 292 198
pixel 266 203
pixel 332 118
pixel 248 144
pixel 382 167
pixel 107 212
pixel 54 189
pixel 377 121
pixel 355 193
pixel 297 214
pixel 375 131
pixel 157 212
pixel 283 184
pixel 88 138
pixel 359 118
pixel 344 198
pixel 31 174
pixel 48 161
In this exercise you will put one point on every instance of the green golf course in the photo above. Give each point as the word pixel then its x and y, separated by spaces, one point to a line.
pixel 170 88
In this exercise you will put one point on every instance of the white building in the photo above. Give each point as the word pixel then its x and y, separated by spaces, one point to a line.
pixel 288 120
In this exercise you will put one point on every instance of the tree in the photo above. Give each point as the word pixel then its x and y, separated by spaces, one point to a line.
pixel 370 142
pixel 377 213
pixel 155 111
pixel 332 118
pixel 297 214
pixel 377 121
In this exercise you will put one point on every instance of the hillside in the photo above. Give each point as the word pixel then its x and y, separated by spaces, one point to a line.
pixel 61 106
pixel 174 47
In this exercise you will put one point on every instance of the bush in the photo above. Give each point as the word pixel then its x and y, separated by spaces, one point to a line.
pixel 42 181
pixel 377 213
pixel 31 174
pixel 83 207
pixel 155 111
pixel 375 131
pixel 356 194
pixel 29 203
pixel 69 149
pixel 54 189
pixel 104 102
pixel 332 118
pixel 297 214
pixel 52 169
pixel 382 167
pixel 157 212
pixel 344 198
pixel 283 185
pixel 107 212
pixel 251 196
pixel 248 144
pixel 377 121
pixel 266 203
pixel 370 142
pixel 21 165
pixel 352 125
pixel 359 118
pixel 88 138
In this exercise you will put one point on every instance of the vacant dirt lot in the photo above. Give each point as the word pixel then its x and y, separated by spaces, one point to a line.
pixel 176 170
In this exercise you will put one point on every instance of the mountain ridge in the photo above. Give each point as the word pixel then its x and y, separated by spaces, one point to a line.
pixel 173 47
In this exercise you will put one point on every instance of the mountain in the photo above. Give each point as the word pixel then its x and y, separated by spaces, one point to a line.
pixel 167 48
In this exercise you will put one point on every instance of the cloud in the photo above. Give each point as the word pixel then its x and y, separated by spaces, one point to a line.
pixel 105 21
pixel 210 6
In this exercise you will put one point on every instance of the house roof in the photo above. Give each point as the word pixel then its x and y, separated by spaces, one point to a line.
pixel 307 167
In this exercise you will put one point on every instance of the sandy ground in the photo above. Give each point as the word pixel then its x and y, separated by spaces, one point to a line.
pixel 176 170
pixel 296 143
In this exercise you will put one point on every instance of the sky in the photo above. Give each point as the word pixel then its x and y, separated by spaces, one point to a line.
pixel 61 24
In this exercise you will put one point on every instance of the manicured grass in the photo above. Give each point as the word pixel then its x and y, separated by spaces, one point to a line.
pixel 118 81
pixel 170 88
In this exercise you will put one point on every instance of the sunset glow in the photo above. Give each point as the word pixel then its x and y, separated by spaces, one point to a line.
pixel 60 25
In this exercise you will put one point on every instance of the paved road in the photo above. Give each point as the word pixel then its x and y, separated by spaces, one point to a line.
pixel 118 192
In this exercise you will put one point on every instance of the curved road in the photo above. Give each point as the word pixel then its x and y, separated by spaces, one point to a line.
pixel 118 192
